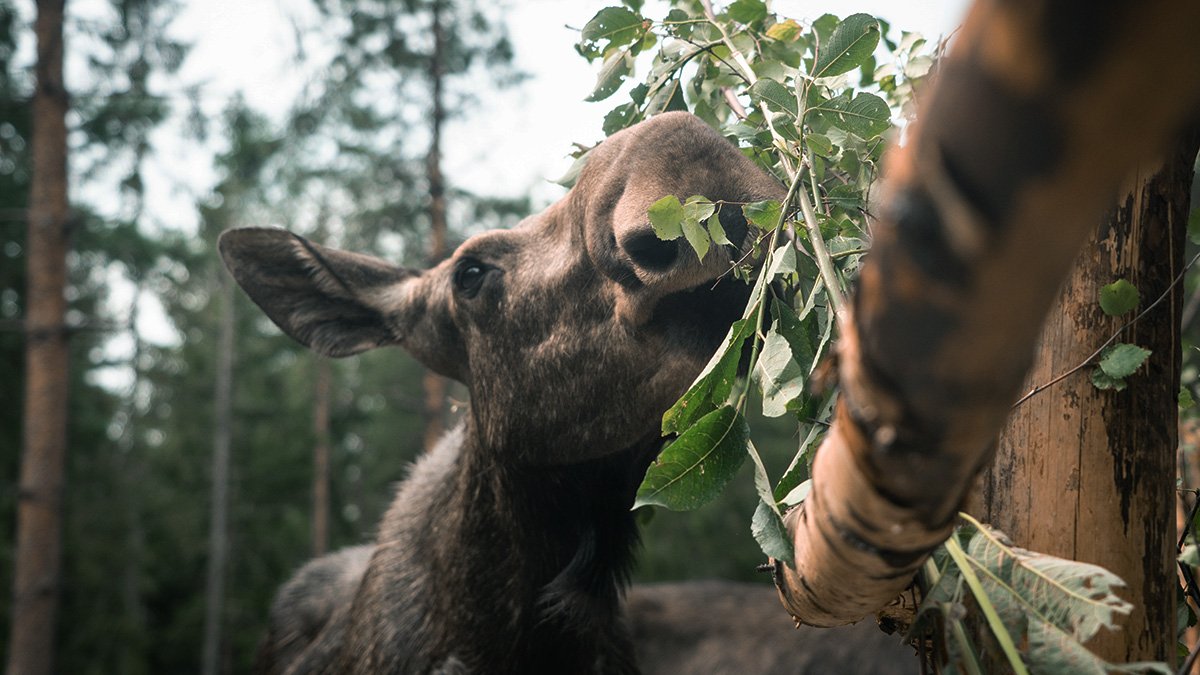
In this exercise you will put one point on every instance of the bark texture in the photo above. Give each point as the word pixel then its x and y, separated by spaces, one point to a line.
pixel 39 511
pixel 1025 140
pixel 1088 474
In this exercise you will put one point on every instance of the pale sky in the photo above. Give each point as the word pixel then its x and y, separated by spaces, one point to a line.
pixel 518 139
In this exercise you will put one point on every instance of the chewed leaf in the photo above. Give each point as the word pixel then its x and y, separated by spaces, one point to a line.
pixel 1076 597
pixel 693 470
pixel 611 27
pixel 617 66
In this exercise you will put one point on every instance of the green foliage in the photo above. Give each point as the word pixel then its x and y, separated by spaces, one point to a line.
pixel 851 44
pixel 1117 363
pixel 694 468
pixel 1040 609
pixel 1118 298
pixel 799 116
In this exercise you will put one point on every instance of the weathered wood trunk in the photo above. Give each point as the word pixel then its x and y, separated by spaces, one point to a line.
pixel 1089 474
pixel 39 510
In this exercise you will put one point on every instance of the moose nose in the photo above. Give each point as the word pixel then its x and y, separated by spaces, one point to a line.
pixel 649 252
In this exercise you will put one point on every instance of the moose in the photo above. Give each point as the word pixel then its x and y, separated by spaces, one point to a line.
pixel 509 545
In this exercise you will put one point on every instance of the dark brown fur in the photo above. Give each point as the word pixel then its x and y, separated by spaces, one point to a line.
pixel 506 549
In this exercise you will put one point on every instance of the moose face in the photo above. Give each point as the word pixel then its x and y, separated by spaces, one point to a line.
pixel 574 330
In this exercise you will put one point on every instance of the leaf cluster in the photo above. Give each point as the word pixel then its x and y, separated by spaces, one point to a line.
pixel 803 101
pixel 1038 609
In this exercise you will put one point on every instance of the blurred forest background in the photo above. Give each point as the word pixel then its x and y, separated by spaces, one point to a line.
pixel 203 467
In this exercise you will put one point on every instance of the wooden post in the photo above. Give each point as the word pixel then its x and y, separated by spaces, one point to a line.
pixel 1088 474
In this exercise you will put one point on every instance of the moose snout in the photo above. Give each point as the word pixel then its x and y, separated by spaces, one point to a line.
pixel 648 252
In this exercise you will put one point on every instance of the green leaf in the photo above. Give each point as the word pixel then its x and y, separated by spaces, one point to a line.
pixel 697 236
pixel 696 210
pixel 620 117
pixel 1122 360
pixel 713 386
pixel 617 66
pixel 1118 298
pixel 1102 381
pixel 783 261
pixel 846 197
pixel 800 335
pixel 614 26
pixel 851 44
pixel 1185 398
pixel 717 232
pixel 781 379
pixel 772 537
pixel 865 116
pixel 666 218
pixel 797 494
pixel 775 95
pixel 747 11
pixel 694 469
pixel 763 215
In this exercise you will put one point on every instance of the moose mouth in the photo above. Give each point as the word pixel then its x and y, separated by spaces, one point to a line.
pixel 698 319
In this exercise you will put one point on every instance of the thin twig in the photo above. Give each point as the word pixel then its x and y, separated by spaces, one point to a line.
pixel 1042 387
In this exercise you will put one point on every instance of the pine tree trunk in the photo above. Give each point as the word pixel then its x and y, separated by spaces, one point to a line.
pixel 1088 474
pixel 321 392
pixel 218 539
pixel 435 385
pixel 39 513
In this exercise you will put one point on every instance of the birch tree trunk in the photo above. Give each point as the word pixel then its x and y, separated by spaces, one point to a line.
pixel 39 511
pixel 1038 115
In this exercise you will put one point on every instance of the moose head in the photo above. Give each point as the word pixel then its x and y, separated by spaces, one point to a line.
pixel 572 331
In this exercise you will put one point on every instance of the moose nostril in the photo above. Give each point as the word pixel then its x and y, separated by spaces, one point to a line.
pixel 649 252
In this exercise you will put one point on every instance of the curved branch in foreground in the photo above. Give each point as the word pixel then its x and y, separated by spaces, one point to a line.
pixel 1035 119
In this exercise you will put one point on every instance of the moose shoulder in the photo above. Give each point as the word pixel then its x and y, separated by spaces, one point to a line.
pixel 506 548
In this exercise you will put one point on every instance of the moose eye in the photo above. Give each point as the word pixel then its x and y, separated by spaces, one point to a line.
pixel 468 277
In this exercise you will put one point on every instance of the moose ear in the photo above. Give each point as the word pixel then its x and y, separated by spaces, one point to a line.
pixel 330 301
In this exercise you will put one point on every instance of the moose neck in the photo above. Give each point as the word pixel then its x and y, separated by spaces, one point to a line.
pixel 549 550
